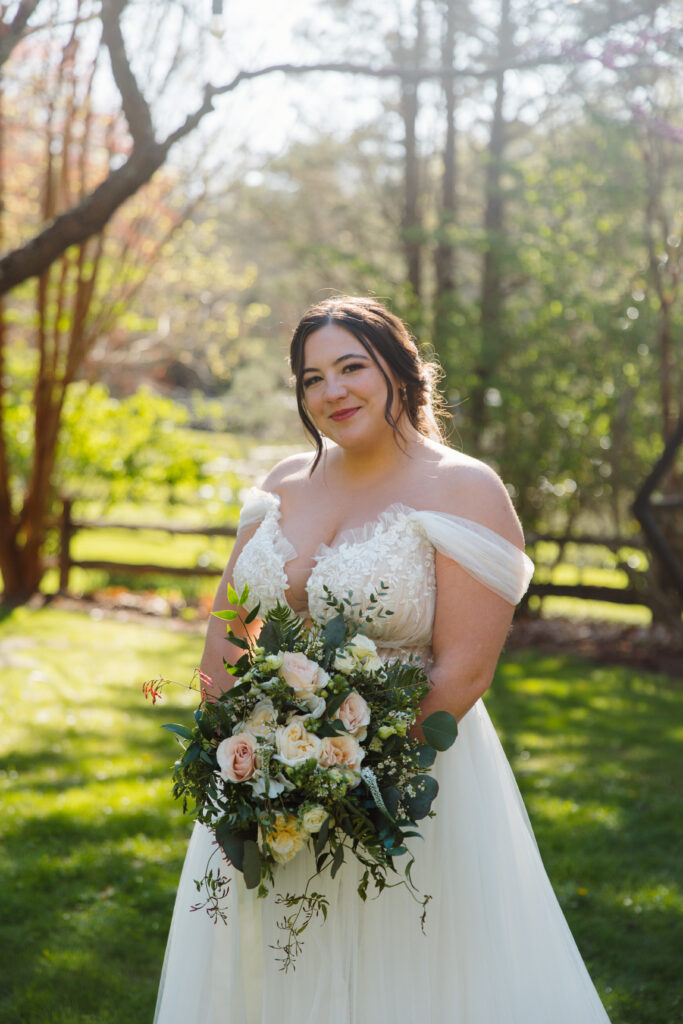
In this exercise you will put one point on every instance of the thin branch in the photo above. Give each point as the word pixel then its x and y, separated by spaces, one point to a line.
pixel 11 32
pixel 90 215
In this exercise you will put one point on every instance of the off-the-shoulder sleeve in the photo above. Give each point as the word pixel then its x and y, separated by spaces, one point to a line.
pixel 257 504
pixel 481 552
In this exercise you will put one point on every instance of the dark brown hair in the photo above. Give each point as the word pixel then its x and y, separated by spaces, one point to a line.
pixel 381 333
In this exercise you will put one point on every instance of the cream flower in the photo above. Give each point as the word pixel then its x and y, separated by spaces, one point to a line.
pixel 361 647
pixel 342 751
pixel 236 757
pixel 345 663
pixel 262 721
pixel 303 675
pixel 313 819
pixel 355 714
pixel 359 651
pixel 286 838
pixel 295 744
pixel 315 705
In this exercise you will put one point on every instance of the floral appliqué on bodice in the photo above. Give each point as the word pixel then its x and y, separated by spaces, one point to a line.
pixel 396 550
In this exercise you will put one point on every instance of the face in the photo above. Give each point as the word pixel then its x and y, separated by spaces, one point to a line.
pixel 344 390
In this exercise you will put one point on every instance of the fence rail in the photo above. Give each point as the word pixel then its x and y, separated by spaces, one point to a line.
pixel 68 526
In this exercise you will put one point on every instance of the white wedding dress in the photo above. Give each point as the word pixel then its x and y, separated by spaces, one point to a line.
pixel 497 949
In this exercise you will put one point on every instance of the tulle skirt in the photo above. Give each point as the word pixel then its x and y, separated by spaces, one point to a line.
pixel 496 948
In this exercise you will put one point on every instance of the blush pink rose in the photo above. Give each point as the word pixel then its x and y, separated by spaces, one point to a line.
pixel 341 751
pixel 355 714
pixel 236 757
pixel 301 673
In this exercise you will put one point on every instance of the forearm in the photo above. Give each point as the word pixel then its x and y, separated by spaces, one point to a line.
pixel 455 692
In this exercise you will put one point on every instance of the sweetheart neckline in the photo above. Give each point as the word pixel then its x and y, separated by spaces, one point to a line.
pixel 369 527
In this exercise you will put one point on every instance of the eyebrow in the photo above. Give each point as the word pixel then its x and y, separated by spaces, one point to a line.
pixel 349 355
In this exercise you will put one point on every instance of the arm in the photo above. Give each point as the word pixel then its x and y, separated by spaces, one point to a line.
pixel 470 626
pixel 216 646
pixel 471 622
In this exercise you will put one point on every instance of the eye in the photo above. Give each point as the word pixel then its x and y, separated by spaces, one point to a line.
pixel 350 367
pixel 311 380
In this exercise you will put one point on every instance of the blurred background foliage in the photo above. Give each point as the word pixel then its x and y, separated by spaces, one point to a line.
pixel 516 198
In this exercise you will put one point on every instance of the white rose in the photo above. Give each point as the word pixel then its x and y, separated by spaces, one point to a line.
pixel 355 714
pixel 295 744
pixel 373 663
pixel 262 721
pixel 315 705
pixel 273 662
pixel 313 819
pixel 345 663
pixel 362 647
pixel 258 785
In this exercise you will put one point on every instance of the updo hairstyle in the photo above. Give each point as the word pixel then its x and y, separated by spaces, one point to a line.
pixel 381 333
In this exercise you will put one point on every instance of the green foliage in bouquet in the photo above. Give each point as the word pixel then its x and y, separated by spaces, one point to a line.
pixel 310 748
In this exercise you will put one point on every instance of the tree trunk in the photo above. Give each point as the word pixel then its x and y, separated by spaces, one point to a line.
pixel 491 298
pixel 444 256
pixel 412 217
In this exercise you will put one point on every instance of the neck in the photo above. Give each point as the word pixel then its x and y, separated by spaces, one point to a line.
pixel 383 458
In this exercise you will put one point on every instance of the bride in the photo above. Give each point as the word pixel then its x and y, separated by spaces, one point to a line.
pixel 383 499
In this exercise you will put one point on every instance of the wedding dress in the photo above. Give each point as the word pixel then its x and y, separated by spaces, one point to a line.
pixel 496 948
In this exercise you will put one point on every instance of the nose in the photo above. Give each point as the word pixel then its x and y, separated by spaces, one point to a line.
pixel 334 388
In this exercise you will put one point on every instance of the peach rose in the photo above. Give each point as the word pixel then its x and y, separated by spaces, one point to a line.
pixel 355 714
pixel 236 757
pixel 286 838
pixel 262 721
pixel 295 744
pixel 342 752
pixel 302 674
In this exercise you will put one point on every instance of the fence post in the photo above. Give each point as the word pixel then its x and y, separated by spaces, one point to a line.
pixel 65 533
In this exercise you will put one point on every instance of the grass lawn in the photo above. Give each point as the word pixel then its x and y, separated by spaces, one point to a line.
pixel 92 843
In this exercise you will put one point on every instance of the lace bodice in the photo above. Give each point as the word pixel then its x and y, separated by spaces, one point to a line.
pixel 397 549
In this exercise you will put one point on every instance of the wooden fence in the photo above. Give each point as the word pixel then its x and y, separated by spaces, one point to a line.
pixel 68 526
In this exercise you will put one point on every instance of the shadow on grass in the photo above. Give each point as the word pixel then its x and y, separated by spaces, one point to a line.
pixel 595 751
pixel 100 895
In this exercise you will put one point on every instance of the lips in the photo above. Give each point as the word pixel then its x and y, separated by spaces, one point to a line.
pixel 343 414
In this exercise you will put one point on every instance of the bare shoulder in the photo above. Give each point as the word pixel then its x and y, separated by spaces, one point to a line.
pixel 291 474
pixel 468 487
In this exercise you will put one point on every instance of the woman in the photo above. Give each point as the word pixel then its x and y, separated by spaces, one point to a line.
pixel 384 500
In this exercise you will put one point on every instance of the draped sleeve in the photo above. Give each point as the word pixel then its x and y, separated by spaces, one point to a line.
pixel 484 554
pixel 257 504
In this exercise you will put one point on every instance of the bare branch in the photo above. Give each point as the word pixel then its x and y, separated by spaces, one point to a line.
pixel 90 215
pixel 11 32
pixel 135 106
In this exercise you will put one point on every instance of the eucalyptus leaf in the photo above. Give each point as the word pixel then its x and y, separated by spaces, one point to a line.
pixel 268 638
pixel 337 860
pixel 232 843
pixel 440 729
pixel 191 754
pixel 322 837
pixel 335 632
pixel 179 730
pixel 391 797
pixel 426 788
pixel 426 755
pixel 252 864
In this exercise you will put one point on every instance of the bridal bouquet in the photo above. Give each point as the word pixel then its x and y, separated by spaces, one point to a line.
pixel 310 749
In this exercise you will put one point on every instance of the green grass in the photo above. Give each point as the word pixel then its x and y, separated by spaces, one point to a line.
pixel 92 843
